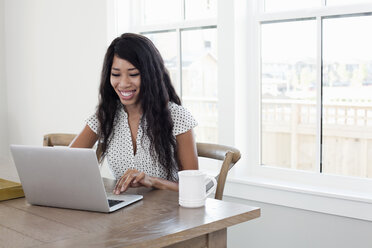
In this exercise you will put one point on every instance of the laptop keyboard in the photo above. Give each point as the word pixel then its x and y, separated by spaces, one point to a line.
pixel 113 202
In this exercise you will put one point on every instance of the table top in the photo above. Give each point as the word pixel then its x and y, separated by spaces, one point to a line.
pixel 155 221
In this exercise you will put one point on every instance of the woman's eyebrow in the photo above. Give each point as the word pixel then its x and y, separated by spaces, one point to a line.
pixel 130 69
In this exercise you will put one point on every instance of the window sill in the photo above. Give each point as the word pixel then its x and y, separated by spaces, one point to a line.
pixel 323 200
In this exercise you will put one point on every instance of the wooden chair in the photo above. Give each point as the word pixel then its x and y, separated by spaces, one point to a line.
pixel 228 155
pixel 58 139
pixel 64 139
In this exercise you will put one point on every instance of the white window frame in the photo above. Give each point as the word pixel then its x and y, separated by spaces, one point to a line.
pixel 333 194
pixel 239 112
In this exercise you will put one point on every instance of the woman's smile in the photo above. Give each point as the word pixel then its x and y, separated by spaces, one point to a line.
pixel 127 94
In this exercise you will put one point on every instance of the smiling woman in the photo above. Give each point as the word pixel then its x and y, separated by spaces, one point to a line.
pixel 144 131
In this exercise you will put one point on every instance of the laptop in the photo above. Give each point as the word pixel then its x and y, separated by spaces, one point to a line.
pixel 66 178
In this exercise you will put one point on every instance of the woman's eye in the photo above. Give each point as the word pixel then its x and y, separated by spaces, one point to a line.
pixel 134 75
pixel 115 75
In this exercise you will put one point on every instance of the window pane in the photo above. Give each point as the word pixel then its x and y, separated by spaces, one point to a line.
pixel 199 80
pixel 166 43
pixel 200 9
pixel 161 11
pixel 342 2
pixel 286 5
pixel 288 94
pixel 347 96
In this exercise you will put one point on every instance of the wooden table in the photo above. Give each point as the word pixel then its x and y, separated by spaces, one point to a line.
pixel 156 221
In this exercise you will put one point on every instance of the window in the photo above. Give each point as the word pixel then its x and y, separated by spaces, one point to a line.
pixel 288 95
pixel 199 79
pixel 347 91
pixel 315 75
pixel 185 32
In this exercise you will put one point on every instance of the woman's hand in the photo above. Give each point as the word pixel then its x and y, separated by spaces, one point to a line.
pixel 132 178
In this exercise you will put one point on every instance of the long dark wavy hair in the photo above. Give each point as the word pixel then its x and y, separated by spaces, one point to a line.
pixel 156 91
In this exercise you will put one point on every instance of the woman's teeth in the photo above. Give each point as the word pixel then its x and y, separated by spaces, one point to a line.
pixel 128 93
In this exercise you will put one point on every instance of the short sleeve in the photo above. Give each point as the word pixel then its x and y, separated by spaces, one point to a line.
pixel 183 121
pixel 92 122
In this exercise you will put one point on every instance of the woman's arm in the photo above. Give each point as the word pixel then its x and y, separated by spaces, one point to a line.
pixel 86 139
pixel 187 159
pixel 186 151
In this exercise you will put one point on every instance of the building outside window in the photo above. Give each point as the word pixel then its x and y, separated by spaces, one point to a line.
pixel 316 87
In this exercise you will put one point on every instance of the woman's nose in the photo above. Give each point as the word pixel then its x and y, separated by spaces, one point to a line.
pixel 124 82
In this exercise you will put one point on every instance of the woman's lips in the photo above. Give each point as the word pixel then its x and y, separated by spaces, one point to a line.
pixel 127 94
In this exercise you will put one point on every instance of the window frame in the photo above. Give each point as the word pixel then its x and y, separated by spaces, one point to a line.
pixel 335 186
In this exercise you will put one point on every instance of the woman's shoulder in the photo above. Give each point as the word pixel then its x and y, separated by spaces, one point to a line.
pixel 176 109
pixel 173 106
pixel 182 118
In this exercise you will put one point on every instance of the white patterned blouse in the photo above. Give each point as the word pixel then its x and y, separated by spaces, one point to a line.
pixel 120 155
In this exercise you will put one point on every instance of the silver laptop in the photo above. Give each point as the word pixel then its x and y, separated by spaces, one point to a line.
pixel 66 178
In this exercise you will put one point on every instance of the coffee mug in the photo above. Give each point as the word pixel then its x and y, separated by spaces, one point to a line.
pixel 192 188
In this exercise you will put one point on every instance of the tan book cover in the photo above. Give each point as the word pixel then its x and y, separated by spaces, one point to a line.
pixel 10 190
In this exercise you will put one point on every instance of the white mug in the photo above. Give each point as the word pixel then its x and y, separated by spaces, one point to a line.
pixel 192 188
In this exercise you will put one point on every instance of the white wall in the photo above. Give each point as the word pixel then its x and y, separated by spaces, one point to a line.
pixel 54 52
pixel 3 102
pixel 284 227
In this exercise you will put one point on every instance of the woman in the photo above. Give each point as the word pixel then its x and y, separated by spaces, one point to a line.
pixel 142 128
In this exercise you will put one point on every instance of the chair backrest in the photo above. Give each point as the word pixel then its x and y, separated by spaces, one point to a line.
pixel 58 139
pixel 228 155
pixel 64 139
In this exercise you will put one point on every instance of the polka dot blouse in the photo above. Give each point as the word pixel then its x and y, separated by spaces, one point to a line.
pixel 120 156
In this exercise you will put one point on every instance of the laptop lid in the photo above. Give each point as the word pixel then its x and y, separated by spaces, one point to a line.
pixel 64 177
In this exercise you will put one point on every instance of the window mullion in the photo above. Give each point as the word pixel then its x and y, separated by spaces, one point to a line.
pixel 183 14
pixel 258 61
pixel 261 6
pixel 138 7
pixel 319 95
pixel 179 60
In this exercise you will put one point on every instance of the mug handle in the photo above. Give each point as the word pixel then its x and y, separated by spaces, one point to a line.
pixel 213 187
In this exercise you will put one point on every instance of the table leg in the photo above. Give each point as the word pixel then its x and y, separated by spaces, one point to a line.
pixel 218 239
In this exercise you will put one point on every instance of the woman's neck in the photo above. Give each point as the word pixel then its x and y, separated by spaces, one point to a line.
pixel 133 110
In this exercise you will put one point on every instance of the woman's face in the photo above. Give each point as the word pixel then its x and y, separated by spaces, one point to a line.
pixel 126 81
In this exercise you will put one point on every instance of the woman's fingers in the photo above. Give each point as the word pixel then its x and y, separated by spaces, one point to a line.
pixel 128 181
pixel 131 178
pixel 118 184
pixel 139 177
pixel 122 180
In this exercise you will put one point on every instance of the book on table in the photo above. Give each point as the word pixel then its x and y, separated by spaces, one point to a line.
pixel 10 190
